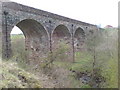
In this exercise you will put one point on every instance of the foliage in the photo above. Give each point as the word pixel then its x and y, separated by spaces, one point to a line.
pixel 18 50
pixel 60 53
pixel 106 59
pixel 103 47
pixel 110 72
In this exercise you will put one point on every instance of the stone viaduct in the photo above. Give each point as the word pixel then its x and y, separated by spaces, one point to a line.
pixel 41 29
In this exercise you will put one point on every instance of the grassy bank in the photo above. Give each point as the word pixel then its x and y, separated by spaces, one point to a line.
pixel 12 76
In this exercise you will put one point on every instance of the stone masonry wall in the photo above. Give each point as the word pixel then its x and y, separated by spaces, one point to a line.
pixel 38 27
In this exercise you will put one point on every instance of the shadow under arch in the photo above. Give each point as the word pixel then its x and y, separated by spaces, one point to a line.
pixel 36 38
pixel 61 43
pixel 79 39
pixel 61 31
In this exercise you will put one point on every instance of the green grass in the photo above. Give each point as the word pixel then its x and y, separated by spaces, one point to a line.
pixel 82 62
pixel 110 72
pixel 108 67
pixel 18 50
pixel 17 36
pixel 15 77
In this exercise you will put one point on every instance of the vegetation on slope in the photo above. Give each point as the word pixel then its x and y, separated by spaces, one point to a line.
pixel 105 71
pixel 79 74
pixel 14 77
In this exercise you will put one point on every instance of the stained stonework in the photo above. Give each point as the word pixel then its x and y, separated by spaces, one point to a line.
pixel 0 31
pixel 42 30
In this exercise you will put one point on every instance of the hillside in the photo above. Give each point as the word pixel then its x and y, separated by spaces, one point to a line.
pixel 14 77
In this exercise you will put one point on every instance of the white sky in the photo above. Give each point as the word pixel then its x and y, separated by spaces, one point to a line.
pixel 104 12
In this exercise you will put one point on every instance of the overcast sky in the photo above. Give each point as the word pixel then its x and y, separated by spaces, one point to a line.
pixel 104 12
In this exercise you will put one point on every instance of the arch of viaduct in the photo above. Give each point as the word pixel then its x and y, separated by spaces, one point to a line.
pixel 40 28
